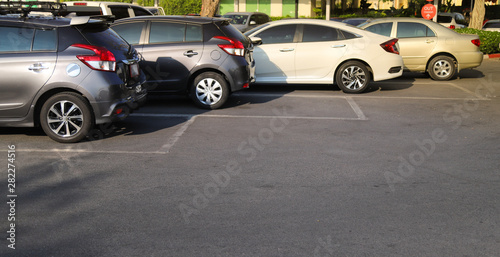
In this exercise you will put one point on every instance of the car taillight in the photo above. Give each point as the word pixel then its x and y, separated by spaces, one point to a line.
pixel 234 47
pixel 390 46
pixel 103 59
pixel 476 42
pixel 452 27
pixel 82 4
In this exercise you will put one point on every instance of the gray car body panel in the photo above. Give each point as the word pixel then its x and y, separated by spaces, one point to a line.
pixel 172 66
pixel 30 77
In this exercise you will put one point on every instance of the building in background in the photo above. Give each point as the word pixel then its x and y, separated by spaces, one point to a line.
pixel 277 8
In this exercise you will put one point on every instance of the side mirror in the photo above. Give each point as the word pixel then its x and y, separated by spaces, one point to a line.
pixel 256 40
pixel 253 23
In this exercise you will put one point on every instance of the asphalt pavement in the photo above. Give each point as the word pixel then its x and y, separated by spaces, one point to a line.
pixel 409 168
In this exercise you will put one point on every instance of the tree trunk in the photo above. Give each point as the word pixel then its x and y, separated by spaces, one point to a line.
pixel 477 15
pixel 209 8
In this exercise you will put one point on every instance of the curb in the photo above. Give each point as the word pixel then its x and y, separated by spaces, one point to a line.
pixel 491 56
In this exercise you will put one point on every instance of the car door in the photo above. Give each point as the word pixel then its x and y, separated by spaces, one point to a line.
pixel 27 60
pixel 319 52
pixel 416 43
pixel 172 50
pixel 275 57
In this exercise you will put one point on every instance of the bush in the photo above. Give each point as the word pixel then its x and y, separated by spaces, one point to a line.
pixel 489 39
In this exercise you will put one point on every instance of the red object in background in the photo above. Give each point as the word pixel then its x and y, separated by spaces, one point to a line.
pixel 428 11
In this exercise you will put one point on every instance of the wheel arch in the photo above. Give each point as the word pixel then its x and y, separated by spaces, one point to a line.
pixel 348 60
pixel 200 71
pixel 439 54
pixel 49 93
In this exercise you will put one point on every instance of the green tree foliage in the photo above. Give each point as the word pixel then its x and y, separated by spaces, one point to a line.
pixel 489 39
pixel 175 7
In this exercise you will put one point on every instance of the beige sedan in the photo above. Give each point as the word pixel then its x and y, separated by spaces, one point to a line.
pixel 427 46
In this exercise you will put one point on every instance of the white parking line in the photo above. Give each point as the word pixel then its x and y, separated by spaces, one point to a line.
pixel 355 108
pixel 366 96
pixel 176 136
pixel 55 150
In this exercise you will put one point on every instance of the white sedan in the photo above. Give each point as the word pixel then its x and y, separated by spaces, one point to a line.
pixel 303 51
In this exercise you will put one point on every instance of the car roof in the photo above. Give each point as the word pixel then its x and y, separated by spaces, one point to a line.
pixel 309 21
pixel 97 3
pixel 180 18
pixel 400 19
pixel 247 13
pixel 47 21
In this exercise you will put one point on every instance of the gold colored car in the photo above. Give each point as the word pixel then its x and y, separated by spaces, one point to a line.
pixel 429 47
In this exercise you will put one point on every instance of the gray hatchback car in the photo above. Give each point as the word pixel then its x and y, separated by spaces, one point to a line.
pixel 66 75
pixel 206 58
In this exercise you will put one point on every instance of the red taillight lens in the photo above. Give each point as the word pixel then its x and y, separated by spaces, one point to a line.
pixel 234 47
pixel 103 59
pixel 390 46
pixel 80 3
pixel 476 42
pixel 452 27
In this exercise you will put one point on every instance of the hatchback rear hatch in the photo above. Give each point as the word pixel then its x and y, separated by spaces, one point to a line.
pixel 126 57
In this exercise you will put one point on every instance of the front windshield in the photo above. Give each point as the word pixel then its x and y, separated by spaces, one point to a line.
pixel 237 19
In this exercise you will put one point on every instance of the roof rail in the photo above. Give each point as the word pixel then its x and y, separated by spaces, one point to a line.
pixel 25 7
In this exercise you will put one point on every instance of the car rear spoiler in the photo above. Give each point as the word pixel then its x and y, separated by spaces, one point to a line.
pixel 80 20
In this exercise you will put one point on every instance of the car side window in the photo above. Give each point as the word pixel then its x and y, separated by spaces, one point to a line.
pixel 131 32
pixel 166 32
pixel 140 12
pixel 45 40
pixel 346 35
pixel 194 33
pixel 381 28
pixel 119 12
pixel 15 39
pixel 314 33
pixel 265 18
pixel 413 29
pixel 278 34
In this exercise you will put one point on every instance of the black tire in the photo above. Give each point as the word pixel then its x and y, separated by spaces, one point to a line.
pixel 66 117
pixel 353 77
pixel 442 68
pixel 209 90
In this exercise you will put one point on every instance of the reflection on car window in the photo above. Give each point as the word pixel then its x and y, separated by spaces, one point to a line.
pixel 413 29
pixel 45 40
pixel 119 12
pixel 491 25
pixel 237 19
pixel 444 19
pixel 166 32
pixel 15 39
pixel 194 33
pixel 314 33
pixel 139 11
pixel 261 19
pixel 381 28
pixel 130 31
pixel 278 34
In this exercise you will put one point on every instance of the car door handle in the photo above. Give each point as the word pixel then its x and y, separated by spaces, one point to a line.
pixel 287 49
pixel 338 46
pixel 428 41
pixel 190 53
pixel 38 67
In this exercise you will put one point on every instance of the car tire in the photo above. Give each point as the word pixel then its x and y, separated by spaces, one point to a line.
pixel 442 68
pixel 66 117
pixel 209 90
pixel 353 77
